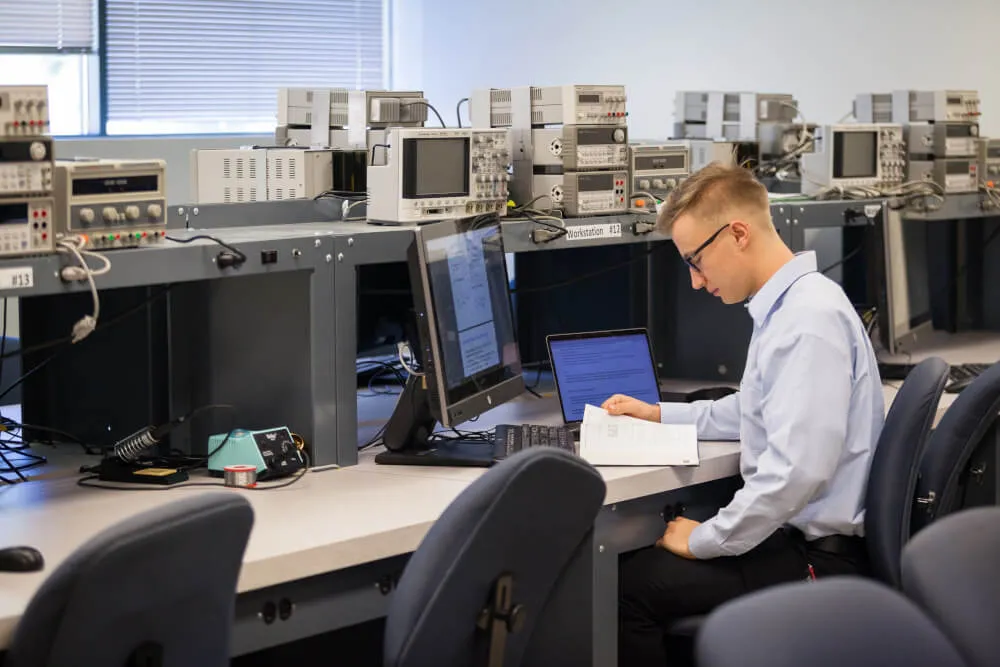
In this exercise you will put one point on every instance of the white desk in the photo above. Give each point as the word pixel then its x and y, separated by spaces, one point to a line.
pixel 327 541
pixel 329 522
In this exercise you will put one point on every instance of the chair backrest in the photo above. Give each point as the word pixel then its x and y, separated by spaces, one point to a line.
pixel 156 589
pixel 893 478
pixel 830 623
pixel 951 446
pixel 529 517
pixel 950 570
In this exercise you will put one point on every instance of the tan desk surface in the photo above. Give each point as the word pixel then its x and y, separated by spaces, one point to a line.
pixel 331 519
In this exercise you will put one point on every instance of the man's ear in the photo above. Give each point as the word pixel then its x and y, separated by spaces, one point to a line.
pixel 741 232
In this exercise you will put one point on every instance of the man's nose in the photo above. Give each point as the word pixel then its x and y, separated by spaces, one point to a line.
pixel 697 280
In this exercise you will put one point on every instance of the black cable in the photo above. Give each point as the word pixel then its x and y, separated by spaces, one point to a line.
pixel 3 340
pixel 592 274
pixel 27 375
pixel 374 146
pixel 105 324
pixel 342 194
pixel 458 111
pixel 86 482
pixel 429 106
pixel 844 260
pixel 8 423
pixel 239 259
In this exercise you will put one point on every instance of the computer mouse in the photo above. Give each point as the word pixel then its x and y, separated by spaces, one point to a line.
pixel 21 559
pixel 709 394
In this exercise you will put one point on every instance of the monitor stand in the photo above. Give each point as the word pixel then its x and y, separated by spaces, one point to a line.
pixel 407 436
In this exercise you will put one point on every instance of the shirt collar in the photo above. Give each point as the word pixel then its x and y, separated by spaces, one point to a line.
pixel 761 304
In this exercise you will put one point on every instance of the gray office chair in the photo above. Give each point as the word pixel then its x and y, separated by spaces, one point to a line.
pixel 156 590
pixel 502 577
pixel 893 477
pixel 892 481
pixel 948 479
pixel 830 623
pixel 950 570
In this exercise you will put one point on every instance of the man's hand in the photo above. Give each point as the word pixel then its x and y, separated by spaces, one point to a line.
pixel 619 404
pixel 675 537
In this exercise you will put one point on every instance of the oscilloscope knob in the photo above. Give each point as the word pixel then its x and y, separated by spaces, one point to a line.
pixel 618 135
pixel 132 212
pixel 154 211
pixel 37 150
pixel 110 214
pixel 86 215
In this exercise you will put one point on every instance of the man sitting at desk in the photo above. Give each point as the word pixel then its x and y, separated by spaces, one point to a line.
pixel 808 414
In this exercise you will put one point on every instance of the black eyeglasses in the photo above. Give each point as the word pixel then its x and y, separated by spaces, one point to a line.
pixel 690 258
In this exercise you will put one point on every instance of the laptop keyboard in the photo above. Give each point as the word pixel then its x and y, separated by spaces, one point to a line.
pixel 512 438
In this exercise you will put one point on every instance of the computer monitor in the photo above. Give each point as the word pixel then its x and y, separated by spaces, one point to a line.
pixel 465 343
pixel 908 282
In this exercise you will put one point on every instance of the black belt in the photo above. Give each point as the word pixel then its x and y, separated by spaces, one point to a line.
pixel 850 546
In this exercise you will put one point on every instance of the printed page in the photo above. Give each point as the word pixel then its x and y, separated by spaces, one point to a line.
pixel 611 440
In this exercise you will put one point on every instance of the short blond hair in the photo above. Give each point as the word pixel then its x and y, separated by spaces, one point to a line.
pixel 712 192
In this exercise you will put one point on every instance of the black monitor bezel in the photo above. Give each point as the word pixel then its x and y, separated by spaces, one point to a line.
pixel 590 335
pixel 451 407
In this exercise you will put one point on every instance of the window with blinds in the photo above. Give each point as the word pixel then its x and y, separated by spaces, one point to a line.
pixel 204 66
pixel 48 26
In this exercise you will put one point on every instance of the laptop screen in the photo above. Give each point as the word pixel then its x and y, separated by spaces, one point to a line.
pixel 591 367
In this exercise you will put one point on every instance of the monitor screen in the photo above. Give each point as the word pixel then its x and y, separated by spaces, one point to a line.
pixel 855 154
pixel 590 368
pixel 471 319
pixel 436 167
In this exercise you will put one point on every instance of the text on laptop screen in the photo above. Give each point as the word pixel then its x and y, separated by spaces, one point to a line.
pixel 591 370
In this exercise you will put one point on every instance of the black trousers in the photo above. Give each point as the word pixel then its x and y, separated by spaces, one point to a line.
pixel 658 588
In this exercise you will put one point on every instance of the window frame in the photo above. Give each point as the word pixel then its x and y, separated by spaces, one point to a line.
pixel 97 113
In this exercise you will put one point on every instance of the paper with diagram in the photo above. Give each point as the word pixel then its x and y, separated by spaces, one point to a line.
pixel 613 440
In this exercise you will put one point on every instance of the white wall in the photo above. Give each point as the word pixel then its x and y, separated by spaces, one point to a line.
pixel 822 52
pixel 175 150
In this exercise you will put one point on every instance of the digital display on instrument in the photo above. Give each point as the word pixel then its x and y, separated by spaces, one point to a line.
pixel 954 100
pixel 596 182
pixel 597 136
pixel 956 167
pixel 588 98
pixel 960 130
pixel 993 152
pixel 855 154
pixel 103 185
pixel 436 167
pixel 659 162
pixel 20 151
pixel 13 214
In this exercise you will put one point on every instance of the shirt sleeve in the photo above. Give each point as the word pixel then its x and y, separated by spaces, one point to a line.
pixel 806 382
pixel 716 420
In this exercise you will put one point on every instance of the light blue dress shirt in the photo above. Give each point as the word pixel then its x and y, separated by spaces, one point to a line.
pixel 808 415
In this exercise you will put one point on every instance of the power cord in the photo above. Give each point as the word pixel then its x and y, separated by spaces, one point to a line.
pixel 426 104
pixel 231 257
pixel 458 110
pixel 371 162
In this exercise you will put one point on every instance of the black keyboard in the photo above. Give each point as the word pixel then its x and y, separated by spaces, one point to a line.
pixel 512 438
pixel 956 372
pixel 966 371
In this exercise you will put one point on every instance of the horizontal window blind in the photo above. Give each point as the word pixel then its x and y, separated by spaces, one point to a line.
pixel 48 25
pixel 216 65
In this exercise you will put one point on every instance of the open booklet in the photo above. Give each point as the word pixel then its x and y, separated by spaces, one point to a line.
pixel 611 440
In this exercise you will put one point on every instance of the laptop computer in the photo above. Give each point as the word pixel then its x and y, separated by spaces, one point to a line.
pixel 590 367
